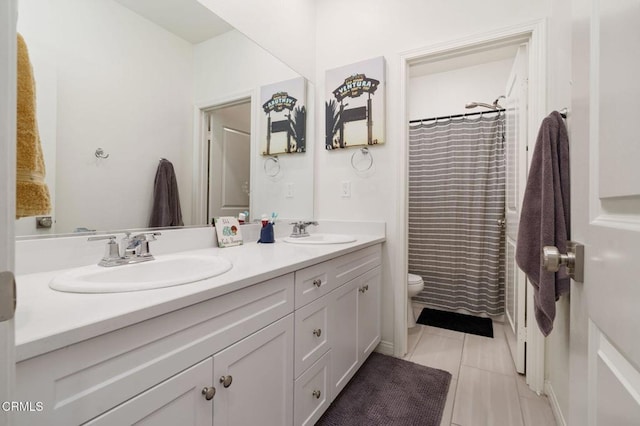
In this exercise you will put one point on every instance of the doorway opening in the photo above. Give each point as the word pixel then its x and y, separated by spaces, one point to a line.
pixel 438 81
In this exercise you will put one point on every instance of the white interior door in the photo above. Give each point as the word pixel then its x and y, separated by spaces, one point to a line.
pixel 229 160
pixel 516 174
pixel 605 158
pixel 8 20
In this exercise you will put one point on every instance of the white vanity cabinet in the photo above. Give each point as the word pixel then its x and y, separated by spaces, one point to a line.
pixel 147 366
pixel 337 330
pixel 274 353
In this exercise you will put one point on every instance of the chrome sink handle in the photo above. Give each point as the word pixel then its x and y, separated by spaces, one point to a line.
pixel 140 243
pixel 111 253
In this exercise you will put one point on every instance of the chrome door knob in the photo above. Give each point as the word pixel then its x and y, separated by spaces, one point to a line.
pixel 209 393
pixel 552 259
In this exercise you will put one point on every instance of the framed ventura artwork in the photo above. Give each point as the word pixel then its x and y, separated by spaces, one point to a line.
pixel 283 124
pixel 355 104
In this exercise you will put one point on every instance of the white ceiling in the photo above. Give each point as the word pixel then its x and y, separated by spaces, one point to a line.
pixel 187 19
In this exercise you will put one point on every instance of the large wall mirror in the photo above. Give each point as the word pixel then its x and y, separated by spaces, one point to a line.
pixel 142 80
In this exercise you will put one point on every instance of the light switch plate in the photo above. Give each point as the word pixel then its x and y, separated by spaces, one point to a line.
pixel 345 191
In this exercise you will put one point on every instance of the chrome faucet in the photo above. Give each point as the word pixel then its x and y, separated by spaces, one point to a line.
pixel 300 228
pixel 131 249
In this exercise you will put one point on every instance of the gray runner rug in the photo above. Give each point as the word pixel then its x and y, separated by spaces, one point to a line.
pixel 390 391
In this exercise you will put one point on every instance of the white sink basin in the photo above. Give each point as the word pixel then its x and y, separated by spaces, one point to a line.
pixel 322 239
pixel 164 271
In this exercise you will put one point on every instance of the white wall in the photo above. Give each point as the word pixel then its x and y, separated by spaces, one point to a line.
pixel 389 28
pixel 446 93
pixel 228 67
pixel 122 84
pixel 285 28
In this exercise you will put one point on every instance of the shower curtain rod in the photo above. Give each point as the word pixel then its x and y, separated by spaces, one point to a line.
pixel 457 115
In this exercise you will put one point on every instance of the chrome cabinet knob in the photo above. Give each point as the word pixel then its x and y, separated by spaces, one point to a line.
pixel 209 393
pixel 317 394
pixel 317 332
pixel 363 288
pixel 317 282
pixel 226 380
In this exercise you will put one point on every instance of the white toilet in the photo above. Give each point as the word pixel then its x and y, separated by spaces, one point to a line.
pixel 415 286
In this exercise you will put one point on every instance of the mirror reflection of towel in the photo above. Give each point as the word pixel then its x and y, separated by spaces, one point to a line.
pixel 32 194
pixel 166 201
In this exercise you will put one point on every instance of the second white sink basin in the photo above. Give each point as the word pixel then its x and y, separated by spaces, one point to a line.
pixel 322 239
pixel 164 271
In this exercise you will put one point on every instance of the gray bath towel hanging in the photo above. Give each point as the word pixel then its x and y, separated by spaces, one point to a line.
pixel 544 220
pixel 166 201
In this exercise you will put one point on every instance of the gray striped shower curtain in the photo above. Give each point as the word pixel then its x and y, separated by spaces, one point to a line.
pixel 456 203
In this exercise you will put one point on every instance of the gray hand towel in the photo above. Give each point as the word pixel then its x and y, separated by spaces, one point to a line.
pixel 544 220
pixel 166 201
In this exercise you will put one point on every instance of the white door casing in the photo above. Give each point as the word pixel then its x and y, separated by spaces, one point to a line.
pixel 516 176
pixel 605 153
pixel 8 22
pixel 535 34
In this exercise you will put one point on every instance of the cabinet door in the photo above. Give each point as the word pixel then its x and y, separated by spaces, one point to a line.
pixel 176 401
pixel 368 312
pixel 344 335
pixel 254 378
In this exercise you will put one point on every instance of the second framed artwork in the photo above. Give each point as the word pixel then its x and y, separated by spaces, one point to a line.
pixel 283 124
pixel 355 104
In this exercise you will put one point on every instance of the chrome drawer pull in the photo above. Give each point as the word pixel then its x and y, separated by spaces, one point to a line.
pixel 317 282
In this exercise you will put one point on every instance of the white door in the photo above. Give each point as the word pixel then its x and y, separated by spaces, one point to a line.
pixel 8 20
pixel 229 158
pixel 605 175
pixel 516 177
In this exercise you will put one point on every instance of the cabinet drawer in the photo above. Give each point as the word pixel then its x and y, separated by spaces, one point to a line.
pixel 313 282
pixel 312 392
pixel 312 333
pixel 351 265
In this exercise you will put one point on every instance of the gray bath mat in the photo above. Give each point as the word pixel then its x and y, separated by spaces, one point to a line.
pixel 390 391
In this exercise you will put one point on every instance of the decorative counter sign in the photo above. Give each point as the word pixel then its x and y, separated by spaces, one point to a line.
pixel 228 231
pixel 354 108
pixel 283 126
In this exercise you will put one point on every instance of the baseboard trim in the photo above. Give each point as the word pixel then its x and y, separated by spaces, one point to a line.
pixel 553 401
pixel 385 348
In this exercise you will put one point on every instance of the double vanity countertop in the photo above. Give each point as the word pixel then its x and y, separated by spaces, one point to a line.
pixel 47 320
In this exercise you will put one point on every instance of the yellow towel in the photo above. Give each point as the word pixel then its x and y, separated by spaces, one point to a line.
pixel 32 194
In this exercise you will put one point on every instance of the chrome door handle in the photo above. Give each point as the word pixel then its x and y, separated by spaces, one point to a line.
pixel 552 260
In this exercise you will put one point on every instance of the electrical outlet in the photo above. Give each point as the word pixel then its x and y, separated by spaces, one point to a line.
pixel 345 191
pixel 289 190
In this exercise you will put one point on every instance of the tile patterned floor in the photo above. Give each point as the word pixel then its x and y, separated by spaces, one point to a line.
pixel 485 389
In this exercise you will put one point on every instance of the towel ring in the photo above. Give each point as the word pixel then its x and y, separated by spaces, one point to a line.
pixel 362 160
pixel 101 154
pixel 272 166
